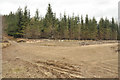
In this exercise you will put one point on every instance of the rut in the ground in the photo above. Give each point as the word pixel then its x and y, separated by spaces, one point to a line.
pixel 57 69
pixel 50 69
pixel 63 68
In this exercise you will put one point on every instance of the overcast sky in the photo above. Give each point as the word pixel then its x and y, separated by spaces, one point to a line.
pixel 97 8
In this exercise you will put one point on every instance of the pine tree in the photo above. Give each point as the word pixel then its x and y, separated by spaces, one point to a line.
pixel 49 21
pixel 107 29
pixel 21 26
pixel 11 22
pixel 86 28
pixel 101 29
pixel 82 28
pixel 65 26
pixel 37 15
pixel 69 27
pixel 113 29
pixel 26 20
pixel 94 29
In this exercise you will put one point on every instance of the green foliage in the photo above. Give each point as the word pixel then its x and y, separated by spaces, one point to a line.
pixel 20 24
pixel 37 15
pixel 11 21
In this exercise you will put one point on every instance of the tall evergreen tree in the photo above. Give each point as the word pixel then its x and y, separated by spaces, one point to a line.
pixel 86 32
pixel 49 21
pixel 20 30
pixel 37 15
pixel 101 29
pixel 82 28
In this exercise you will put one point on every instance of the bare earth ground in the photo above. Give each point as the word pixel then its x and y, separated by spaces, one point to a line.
pixel 60 59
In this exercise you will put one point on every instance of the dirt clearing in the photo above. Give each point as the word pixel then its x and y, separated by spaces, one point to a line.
pixel 60 59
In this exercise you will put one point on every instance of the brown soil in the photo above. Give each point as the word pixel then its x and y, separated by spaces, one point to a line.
pixel 60 59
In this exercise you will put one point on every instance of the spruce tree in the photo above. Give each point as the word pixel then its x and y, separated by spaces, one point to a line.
pixel 20 30
pixel 36 15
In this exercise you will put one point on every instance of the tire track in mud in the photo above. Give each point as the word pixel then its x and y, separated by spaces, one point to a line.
pixel 57 69
pixel 52 69
pixel 30 70
pixel 64 68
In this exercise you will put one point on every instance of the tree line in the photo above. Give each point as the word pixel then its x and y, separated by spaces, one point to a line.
pixel 22 25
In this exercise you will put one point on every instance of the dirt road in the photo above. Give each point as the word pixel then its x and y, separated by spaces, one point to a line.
pixel 55 59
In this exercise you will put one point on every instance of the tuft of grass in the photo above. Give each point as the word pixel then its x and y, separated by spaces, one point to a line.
pixel 17 70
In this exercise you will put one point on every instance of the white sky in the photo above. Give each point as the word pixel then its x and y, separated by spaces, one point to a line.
pixel 97 8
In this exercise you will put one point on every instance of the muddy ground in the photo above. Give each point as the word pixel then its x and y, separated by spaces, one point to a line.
pixel 60 59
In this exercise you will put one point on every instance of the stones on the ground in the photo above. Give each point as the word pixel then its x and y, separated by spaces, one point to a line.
pixel 82 43
pixel 33 41
pixel 5 41
pixel 17 58
pixel 48 73
pixel 4 45
pixel 21 40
